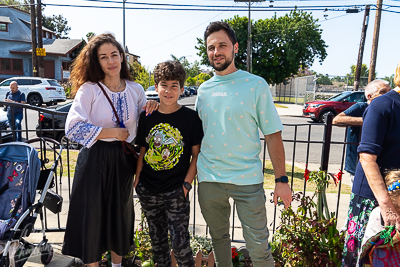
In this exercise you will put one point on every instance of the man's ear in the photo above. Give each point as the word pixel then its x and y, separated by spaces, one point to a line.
pixel 236 48
pixel 369 97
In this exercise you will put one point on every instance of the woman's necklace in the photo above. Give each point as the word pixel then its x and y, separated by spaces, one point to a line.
pixel 116 89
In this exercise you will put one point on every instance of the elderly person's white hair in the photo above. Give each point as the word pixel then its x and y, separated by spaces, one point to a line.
pixel 373 86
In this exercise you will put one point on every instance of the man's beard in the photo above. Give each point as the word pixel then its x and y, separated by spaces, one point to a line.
pixel 225 65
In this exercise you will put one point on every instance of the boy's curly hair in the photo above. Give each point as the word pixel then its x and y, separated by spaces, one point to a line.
pixel 168 71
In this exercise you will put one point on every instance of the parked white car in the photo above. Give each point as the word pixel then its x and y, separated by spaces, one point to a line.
pixel 151 94
pixel 37 90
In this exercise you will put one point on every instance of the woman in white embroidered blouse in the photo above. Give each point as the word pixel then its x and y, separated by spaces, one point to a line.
pixel 101 215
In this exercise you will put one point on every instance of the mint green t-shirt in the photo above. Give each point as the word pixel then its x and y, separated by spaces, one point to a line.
pixel 232 109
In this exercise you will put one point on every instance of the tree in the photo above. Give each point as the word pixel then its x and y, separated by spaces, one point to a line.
pixel 141 75
pixel 90 35
pixel 198 79
pixel 191 69
pixel 323 79
pixel 58 24
pixel 281 45
pixel 390 79
pixel 23 4
pixel 363 75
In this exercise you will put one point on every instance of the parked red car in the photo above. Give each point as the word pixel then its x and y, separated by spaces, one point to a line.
pixel 318 110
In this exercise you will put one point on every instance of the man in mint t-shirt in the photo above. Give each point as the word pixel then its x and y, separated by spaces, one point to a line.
pixel 233 106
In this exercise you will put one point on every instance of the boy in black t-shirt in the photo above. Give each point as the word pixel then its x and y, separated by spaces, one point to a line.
pixel 169 143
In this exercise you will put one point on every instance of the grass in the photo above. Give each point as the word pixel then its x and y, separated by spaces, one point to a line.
pixel 298 183
pixel 288 99
pixel 280 106
pixel 73 155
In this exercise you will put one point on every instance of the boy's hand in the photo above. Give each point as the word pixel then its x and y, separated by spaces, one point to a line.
pixel 185 191
pixel 150 106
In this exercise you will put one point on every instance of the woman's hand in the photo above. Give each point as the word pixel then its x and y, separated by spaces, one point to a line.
pixel 150 106
pixel 121 133
pixel 390 215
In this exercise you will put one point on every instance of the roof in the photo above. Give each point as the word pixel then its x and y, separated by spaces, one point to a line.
pixel 43 28
pixel 5 19
pixel 53 46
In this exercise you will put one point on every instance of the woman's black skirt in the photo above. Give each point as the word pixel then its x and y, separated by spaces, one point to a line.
pixel 101 215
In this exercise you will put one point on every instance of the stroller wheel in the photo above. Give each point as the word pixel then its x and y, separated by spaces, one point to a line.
pixel 4 261
pixel 47 253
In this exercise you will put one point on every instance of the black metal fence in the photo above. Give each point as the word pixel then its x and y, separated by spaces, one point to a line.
pixel 315 149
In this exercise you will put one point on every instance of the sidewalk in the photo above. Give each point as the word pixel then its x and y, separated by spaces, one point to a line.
pixel 291 110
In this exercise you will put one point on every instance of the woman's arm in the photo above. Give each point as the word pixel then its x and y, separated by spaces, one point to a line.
pixel 375 180
pixel 139 165
pixel 191 174
pixel 120 133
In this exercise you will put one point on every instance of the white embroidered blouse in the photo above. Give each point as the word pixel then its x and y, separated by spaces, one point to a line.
pixel 91 112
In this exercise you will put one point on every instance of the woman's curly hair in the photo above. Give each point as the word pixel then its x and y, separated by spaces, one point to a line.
pixel 86 66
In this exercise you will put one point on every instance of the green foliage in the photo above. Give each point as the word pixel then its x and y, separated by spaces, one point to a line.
pixel 198 80
pixel 201 243
pixel 308 236
pixel 107 257
pixel 191 69
pixel 390 80
pixel 58 24
pixel 67 88
pixel 323 79
pixel 280 45
pixel 21 4
pixel 90 35
pixel 364 74
pixel 141 75
pixel 237 258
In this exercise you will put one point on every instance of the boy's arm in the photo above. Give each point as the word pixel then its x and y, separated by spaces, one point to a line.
pixel 192 167
pixel 139 164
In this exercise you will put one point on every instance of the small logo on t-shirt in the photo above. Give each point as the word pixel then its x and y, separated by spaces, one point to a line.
pixel 219 94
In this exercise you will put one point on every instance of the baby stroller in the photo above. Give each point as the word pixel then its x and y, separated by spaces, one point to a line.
pixel 22 173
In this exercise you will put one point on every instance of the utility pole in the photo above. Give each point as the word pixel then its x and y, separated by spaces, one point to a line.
pixel 249 50
pixel 124 21
pixel 375 41
pixel 361 49
pixel 33 33
pixel 40 37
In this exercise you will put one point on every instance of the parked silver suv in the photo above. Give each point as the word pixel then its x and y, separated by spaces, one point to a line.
pixel 37 90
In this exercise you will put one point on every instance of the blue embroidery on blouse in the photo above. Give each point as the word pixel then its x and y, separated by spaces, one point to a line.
pixel 120 103
pixel 82 132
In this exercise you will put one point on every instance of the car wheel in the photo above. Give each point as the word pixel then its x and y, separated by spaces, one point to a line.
pixel 65 142
pixel 324 116
pixel 35 100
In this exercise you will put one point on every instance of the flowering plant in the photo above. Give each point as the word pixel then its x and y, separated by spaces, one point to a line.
pixel 237 258
pixel 308 236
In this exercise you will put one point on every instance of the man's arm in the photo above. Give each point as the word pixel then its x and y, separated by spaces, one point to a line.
pixel 277 155
pixel 342 118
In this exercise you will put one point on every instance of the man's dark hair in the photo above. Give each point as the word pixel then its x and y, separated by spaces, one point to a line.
pixel 218 26
pixel 170 71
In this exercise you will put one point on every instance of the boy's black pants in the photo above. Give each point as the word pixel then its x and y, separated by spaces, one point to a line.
pixel 168 212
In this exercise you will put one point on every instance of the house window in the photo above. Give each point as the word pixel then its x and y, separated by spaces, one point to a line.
pixel 11 66
pixel 3 27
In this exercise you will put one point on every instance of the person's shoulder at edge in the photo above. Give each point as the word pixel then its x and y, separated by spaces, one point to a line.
pixel 384 101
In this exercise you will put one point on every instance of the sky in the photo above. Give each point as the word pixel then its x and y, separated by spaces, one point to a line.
pixel 156 34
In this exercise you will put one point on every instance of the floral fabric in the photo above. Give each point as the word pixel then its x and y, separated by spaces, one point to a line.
pixel 359 212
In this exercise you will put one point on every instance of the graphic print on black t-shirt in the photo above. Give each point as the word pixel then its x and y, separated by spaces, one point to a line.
pixel 165 147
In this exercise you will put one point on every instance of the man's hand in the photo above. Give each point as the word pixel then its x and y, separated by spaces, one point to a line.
pixel 283 191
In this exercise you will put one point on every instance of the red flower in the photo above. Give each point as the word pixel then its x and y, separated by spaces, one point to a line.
pixel 306 174
pixel 234 253
pixel 337 177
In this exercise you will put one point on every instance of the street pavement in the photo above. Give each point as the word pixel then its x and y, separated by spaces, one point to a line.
pixel 291 110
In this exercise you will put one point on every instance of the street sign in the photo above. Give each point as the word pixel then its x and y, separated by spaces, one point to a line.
pixel 40 52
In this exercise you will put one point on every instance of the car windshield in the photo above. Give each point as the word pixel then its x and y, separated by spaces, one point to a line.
pixel 53 83
pixel 151 88
pixel 64 108
pixel 338 97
